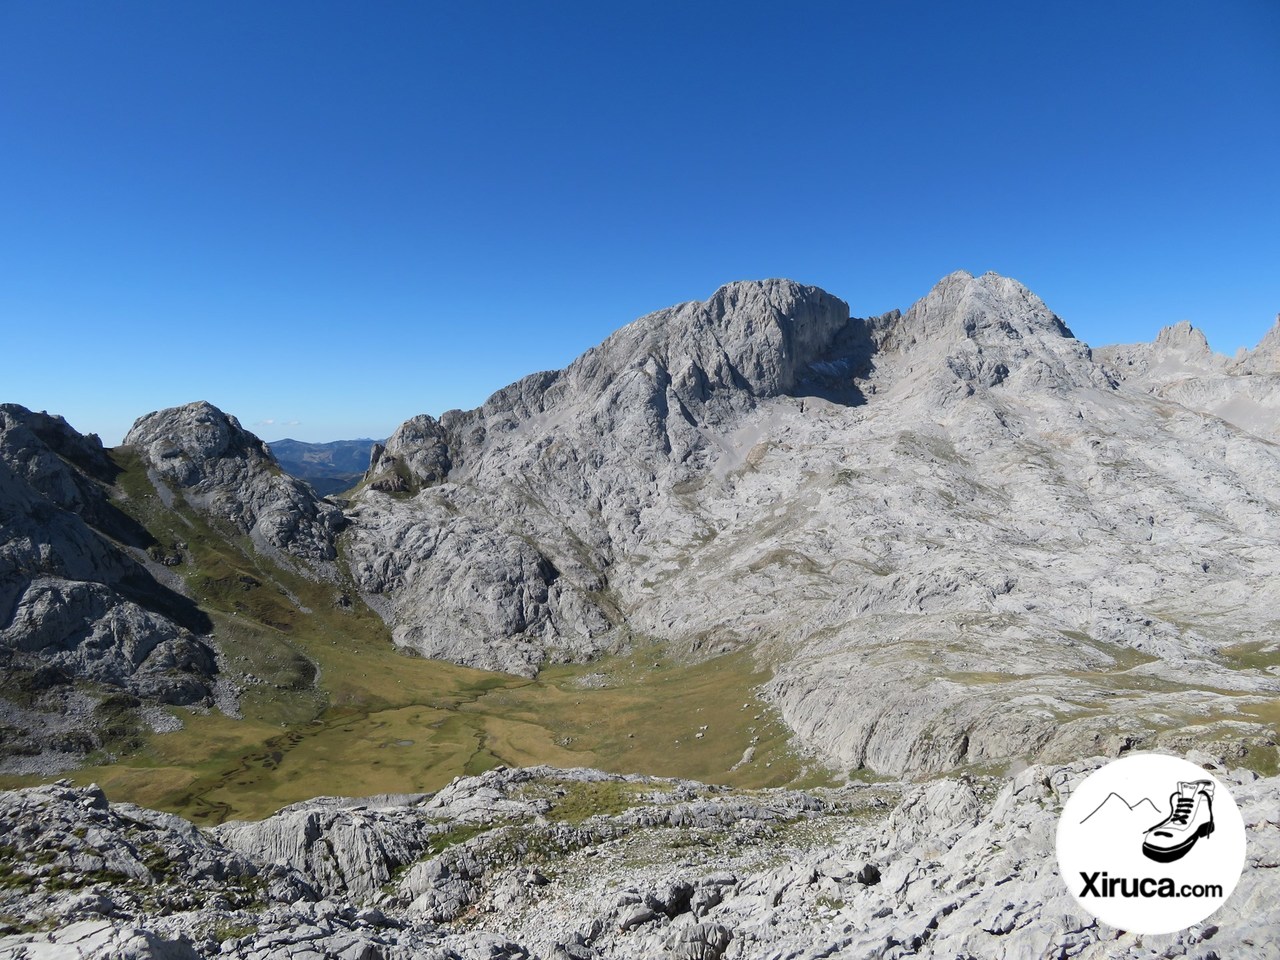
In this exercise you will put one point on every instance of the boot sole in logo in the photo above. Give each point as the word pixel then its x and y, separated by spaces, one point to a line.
pixel 1170 854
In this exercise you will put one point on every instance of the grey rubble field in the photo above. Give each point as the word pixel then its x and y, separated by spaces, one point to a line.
pixel 489 868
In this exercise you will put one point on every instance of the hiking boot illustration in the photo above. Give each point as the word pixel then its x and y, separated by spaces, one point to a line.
pixel 1191 818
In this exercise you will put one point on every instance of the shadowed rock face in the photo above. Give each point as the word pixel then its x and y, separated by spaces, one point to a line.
pixel 954 532
pixel 76 601
pixel 228 473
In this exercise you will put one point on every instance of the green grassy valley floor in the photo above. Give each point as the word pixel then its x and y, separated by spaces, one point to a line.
pixel 407 725
pixel 331 707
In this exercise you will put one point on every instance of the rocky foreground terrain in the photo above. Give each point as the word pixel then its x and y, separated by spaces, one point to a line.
pixel 514 864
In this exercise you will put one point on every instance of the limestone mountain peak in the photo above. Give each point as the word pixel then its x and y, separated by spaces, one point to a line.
pixel 985 308
pixel 178 437
pixel 1265 357
pixel 970 333
pixel 1185 337
pixel 758 336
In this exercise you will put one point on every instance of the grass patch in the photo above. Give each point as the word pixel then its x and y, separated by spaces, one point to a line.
pixel 230 929
pixel 116 723
pixel 647 720
pixel 1256 655
pixel 456 835
pixel 403 724
pixel 575 801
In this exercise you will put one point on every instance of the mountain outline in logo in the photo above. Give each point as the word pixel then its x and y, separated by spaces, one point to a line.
pixel 1130 808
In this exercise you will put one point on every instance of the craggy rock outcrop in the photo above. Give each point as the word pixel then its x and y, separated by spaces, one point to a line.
pixel 1181 367
pixel 953 533
pixel 228 473
pixel 945 869
pixel 344 849
pixel 76 602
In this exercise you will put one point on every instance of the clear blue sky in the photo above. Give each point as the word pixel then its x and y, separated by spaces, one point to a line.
pixel 327 217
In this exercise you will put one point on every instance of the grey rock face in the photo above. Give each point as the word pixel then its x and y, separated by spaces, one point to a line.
pixel 228 473
pixel 974 332
pixel 417 454
pixel 342 853
pixel 502 559
pixel 1265 357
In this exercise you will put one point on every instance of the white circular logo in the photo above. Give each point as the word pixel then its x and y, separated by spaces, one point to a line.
pixel 1150 844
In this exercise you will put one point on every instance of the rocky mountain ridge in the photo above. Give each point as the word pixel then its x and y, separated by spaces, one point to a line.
pixel 227 472
pixel 96 621
pixel 81 597
pixel 1180 366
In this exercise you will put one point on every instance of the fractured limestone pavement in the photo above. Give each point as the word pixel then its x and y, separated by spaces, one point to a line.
pixel 487 868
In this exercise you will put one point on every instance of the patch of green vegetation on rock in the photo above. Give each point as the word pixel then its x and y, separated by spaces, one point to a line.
pixel 575 801
pixel 12 877
pixel 1255 655
pixel 116 723
pixel 455 835
pixel 229 928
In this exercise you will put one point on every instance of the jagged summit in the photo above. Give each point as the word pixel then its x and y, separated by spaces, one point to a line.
pixel 1265 357
pixel 1185 337
pixel 665 374
pixel 753 336
pixel 973 333
pixel 1181 367
pixel 667 377
pixel 704 361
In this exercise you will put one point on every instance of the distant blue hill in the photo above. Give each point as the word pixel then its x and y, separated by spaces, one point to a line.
pixel 329 467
